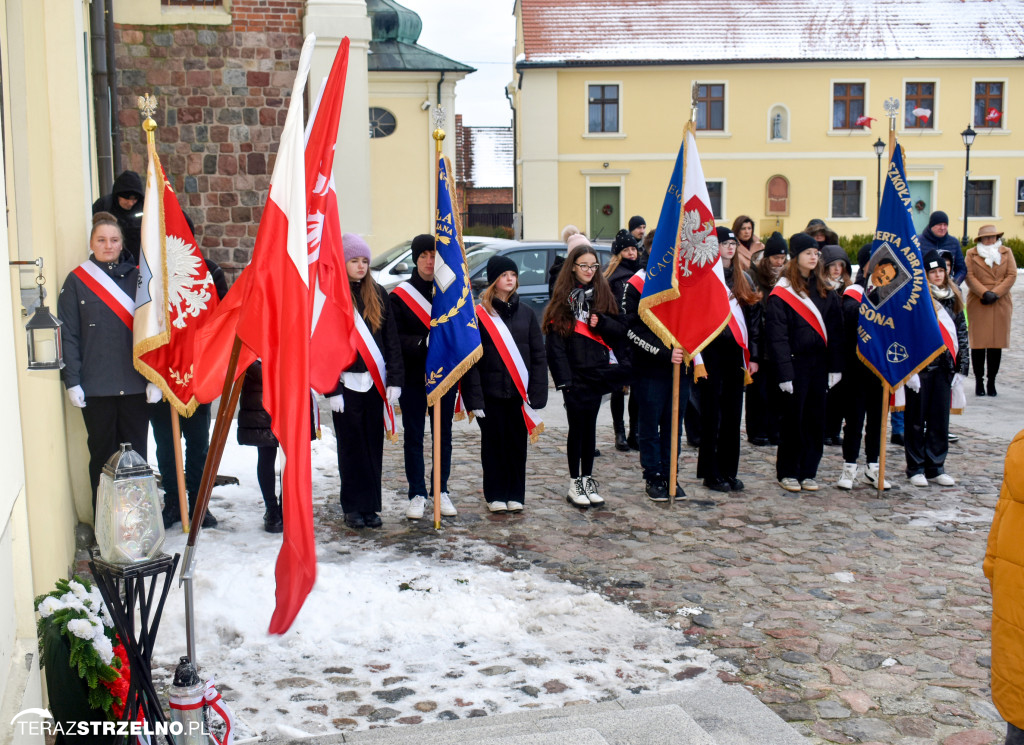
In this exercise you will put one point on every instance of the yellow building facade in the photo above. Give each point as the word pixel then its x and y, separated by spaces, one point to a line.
pixel 777 139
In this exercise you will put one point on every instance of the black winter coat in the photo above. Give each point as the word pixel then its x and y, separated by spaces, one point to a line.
pixel 129 220
pixel 649 355
pixel 412 334
pixel 489 378
pixel 583 365
pixel 947 244
pixel 386 337
pixel 851 319
pixel 253 420
pixel 618 279
pixel 791 339
pixel 96 344
pixel 945 361
pixel 752 314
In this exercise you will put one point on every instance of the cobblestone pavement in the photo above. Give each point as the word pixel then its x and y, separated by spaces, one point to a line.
pixel 855 618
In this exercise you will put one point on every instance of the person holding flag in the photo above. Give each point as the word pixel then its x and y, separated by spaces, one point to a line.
pixel 506 386
pixel 939 386
pixel 805 328
pixel 363 402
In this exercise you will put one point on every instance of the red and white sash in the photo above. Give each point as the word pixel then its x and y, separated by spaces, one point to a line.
pixel 374 361
pixel 107 291
pixel 738 327
pixel 212 698
pixel 584 330
pixel 856 292
pixel 514 364
pixel 947 327
pixel 637 280
pixel 415 301
pixel 802 305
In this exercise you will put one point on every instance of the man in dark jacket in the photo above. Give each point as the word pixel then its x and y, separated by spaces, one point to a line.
pixel 936 237
pixel 125 202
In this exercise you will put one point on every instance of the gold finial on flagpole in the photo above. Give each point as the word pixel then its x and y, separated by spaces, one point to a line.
pixel 439 118
pixel 147 105
pixel 892 110
pixel 693 102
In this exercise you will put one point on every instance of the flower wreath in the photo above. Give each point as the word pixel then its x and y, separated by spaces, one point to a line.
pixel 76 608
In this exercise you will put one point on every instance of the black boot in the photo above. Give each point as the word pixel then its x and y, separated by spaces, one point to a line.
pixel 620 438
pixel 273 518
pixel 171 513
pixel 209 521
pixel 991 385
pixel 978 363
pixel 631 441
pixel 354 520
pixel 994 358
pixel 979 386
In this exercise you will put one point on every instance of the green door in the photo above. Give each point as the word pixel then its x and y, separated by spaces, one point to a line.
pixel 920 203
pixel 605 219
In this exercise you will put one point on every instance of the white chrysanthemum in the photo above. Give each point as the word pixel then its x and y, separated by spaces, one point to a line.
pixel 69 600
pixel 79 590
pixel 103 648
pixel 49 606
pixel 83 628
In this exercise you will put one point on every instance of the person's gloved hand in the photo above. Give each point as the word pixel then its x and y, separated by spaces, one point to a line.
pixel 959 380
pixel 786 387
pixel 479 413
pixel 914 383
pixel 337 403
pixel 153 393
pixel 833 379
pixel 77 396
pixel 989 297
pixel 393 392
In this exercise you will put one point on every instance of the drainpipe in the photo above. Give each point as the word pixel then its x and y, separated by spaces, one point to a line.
pixel 112 77
pixel 517 231
pixel 101 95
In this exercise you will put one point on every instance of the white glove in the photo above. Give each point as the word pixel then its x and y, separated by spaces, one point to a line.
pixel 959 380
pixel 337 403
pixel 392 392
pixel 914 383
pixel 77 396
pixel 786 387
pixel 153 394
pixel 479 413
pixel 834 378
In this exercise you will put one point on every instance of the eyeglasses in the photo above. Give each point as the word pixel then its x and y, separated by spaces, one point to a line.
pixel 734 244
pixel 588 267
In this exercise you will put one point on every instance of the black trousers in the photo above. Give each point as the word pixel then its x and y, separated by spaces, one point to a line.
pixel 414 415
pixel 926 428
pixel 863 391
pixel 581 412
pixel 618 406
pixel 109 421
pixel 195 430
pixel 360 433
pixel 654 425
pixel 503 449
pixel 266 475
pixel 978 357
pixel 803 420
pixel 762 400
pixel 721 407
pixel 1014 735
pixel 835 408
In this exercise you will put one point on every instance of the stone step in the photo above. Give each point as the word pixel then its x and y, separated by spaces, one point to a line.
pixel 718 715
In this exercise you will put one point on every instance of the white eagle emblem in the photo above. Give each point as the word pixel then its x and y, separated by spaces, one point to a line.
pixel 187 293
pixel 698 243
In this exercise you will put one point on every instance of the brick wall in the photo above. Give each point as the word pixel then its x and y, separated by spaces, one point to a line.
pixel 222 93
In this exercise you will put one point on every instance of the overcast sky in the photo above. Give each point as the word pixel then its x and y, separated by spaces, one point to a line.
pixel 479 33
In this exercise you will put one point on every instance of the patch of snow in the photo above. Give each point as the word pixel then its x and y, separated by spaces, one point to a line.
pixel 843 576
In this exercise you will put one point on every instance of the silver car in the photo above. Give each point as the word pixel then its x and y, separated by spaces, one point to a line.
pixel 395 265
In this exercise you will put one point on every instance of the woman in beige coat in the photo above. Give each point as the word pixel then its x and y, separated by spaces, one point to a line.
pixel 991 273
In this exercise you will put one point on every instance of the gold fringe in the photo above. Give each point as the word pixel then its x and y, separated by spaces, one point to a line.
pixel 747 380
pixel 460 415
pixel 915 371
pixel 152 376
pixel 453 377
pixel 391 436
pixel 956 411
pixel 699 371
pixel 535 435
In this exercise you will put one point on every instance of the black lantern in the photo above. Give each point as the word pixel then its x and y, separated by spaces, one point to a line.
pixel 879 147
pixel 968 136
pixel 42 332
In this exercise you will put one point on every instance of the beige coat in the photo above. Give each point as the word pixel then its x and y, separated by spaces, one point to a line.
pixel 989 325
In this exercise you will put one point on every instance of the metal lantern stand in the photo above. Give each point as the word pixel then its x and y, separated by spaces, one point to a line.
pixel 127 588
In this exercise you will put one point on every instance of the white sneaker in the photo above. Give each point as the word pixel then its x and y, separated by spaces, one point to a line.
pixel 918 479
pixel 789 484
pixel 590 486
pixel 848 475
pixel 416 507
pixel 809 485
pixel 871 477
pixel 497 506
pixel 447 508
pixel 514 506
pixel 577 494
pixel 943 479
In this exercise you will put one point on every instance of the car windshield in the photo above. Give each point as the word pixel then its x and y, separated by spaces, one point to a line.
pixel 477 256
pixel 381 261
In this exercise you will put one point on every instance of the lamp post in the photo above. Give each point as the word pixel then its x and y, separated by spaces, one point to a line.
pixel 968 136
pixel 879 147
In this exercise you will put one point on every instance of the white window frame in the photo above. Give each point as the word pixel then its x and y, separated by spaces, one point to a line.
pixel 1017 203
pixel 788 123
pixel 1005 129
pixel 587 134
pixel 831 188
pixel 995 196
pixel 724 131
pixel 855 131
pixel 935 108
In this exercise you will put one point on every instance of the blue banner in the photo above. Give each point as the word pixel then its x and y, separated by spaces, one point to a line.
pixel 454 342
pixel 898 333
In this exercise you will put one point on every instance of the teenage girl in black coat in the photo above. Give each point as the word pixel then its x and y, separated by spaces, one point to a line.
pixel 583 331
pixel 624 264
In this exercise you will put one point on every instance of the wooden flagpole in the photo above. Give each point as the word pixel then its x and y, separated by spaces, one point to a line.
pixel 886 391
pixel 438 135
pixel 179 469
pixel 673 469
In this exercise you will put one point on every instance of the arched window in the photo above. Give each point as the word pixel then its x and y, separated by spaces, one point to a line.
pixel 777 196
pixel 778 123
pixel 382 122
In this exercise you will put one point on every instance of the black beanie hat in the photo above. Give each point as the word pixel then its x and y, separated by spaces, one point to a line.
pixel 799 242
pixel 421 243
pixel 623 240
pixel 864 255
pixel 724 234
pixel 937 217
pixel 635 222
pixel 775 245
pixel 932 260
pixel 498 265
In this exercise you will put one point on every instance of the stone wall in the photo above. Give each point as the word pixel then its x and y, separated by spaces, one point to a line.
pixel 222 93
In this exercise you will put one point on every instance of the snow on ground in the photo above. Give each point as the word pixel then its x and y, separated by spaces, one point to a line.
pixel 461 635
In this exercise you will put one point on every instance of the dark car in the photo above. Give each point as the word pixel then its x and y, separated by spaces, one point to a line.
pixel 533 259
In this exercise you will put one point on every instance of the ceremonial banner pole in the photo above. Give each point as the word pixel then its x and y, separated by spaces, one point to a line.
pixel 892 108
pixel 179 469
pixel 436 428
pixel 673 469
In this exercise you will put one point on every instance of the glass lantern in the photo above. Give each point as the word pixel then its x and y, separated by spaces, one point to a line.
pixel 43 335
pixel 129 524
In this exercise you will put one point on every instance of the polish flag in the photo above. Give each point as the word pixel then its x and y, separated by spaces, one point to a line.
pixel 864 121
pixel 923 114
pixel 993 116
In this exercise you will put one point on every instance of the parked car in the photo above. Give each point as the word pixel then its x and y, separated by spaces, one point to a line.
pixel 395 265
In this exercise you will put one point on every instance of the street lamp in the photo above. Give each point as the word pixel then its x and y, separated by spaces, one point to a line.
pixel 968 136
pixel 879 147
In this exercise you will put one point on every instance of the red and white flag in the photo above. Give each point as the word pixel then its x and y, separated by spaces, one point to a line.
pixel 922 113
pixel 993 116
pixel 864 121
pixel 267 309
pixel 332 343
pixel 175 294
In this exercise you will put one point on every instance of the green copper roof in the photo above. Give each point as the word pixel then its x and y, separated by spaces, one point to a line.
pixel 393 46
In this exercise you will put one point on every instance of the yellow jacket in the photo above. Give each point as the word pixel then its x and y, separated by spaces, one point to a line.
pixel 1004 567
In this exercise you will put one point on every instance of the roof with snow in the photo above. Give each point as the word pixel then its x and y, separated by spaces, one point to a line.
pixel 490 157
pixel 637 32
